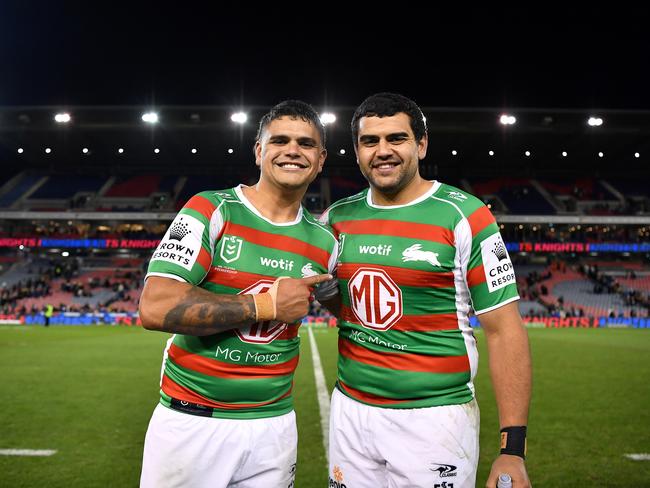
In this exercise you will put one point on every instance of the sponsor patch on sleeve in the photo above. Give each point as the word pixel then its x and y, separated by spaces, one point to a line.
pixel 182 242
pixel 496 263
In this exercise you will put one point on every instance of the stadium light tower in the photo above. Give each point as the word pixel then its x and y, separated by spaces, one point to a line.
pixel 150 117
pixel 62 118
pixel 239 117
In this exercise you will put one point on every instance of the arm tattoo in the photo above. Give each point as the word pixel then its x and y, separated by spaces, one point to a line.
pixel 201 312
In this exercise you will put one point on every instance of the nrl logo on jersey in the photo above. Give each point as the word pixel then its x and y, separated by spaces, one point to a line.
pixel 230 248
pixel 415 253
pixel 456 195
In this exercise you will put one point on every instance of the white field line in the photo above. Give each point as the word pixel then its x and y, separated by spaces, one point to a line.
pixel 642 456
pixel 27 452
pixel 321 392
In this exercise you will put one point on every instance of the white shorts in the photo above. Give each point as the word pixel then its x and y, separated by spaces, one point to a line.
pixel 374 447
pixel 183 450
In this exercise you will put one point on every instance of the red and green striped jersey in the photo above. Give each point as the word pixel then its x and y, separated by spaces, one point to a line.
pixel 408 275
pixel 221 243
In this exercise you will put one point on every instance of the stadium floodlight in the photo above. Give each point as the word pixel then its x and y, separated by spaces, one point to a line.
pixel 120 150
pixel 239 117
pixel 328 118
pixel 48 150
pixel 637 155
pixel 62 118
pixel 564 154
pixel 194 151
pixel 85 150
pixel 594 121
pixel 231 150
pixel 20 150
pixel 454 152
pixel 156 150
pixel 341 152
pixel 600 154
pixel 527 153
pixel 150 117
pixel 491 152
pixel 507 119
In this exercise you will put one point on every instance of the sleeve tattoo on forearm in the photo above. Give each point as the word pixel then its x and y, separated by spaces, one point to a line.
pixel 198 311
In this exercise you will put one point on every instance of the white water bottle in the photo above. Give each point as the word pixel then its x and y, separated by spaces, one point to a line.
pixel 504 481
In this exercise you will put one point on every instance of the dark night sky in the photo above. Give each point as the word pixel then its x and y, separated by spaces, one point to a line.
pixel 63 53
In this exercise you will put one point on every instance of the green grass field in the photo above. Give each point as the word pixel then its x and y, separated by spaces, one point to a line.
pixel 88 392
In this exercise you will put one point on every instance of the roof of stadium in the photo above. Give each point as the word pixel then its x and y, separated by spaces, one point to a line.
pixel 108 64
pixel 195 53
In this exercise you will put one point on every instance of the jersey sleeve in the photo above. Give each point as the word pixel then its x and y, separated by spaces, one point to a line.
pixel 490 275
pixel 185 252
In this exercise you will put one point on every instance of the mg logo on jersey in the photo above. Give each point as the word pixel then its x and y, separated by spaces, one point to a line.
pixel 260 332
pixel 230 248
pixel 375 299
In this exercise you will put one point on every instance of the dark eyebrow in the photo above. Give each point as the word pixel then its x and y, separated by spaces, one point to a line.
pixel 368 138
pixel 307 140
pixel 301 140
pixel 397 135
pixel 390 137
pixel 278 138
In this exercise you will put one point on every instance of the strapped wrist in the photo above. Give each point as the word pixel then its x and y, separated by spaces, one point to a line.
pixel 264 307
pixel 513 441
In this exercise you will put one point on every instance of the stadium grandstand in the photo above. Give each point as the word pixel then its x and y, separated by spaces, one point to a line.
pixel 86 195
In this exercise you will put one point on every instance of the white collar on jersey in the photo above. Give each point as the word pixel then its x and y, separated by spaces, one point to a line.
pixel 421 198
pixel 251 207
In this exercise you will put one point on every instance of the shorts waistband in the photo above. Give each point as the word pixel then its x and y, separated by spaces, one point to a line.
pixel 191 408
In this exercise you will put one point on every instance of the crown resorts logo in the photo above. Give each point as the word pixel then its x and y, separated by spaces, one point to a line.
pixel 181 244
pixel 179 230
pixel 500 250
pixel 496 263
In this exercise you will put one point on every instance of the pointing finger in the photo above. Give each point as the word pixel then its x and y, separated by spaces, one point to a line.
pixel 314 280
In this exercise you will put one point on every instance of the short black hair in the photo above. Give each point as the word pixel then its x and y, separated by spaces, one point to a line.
pixel 293 109
pixel 386 105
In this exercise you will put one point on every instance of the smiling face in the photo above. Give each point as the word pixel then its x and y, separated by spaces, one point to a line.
pixel 289 153
pixel 388 154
